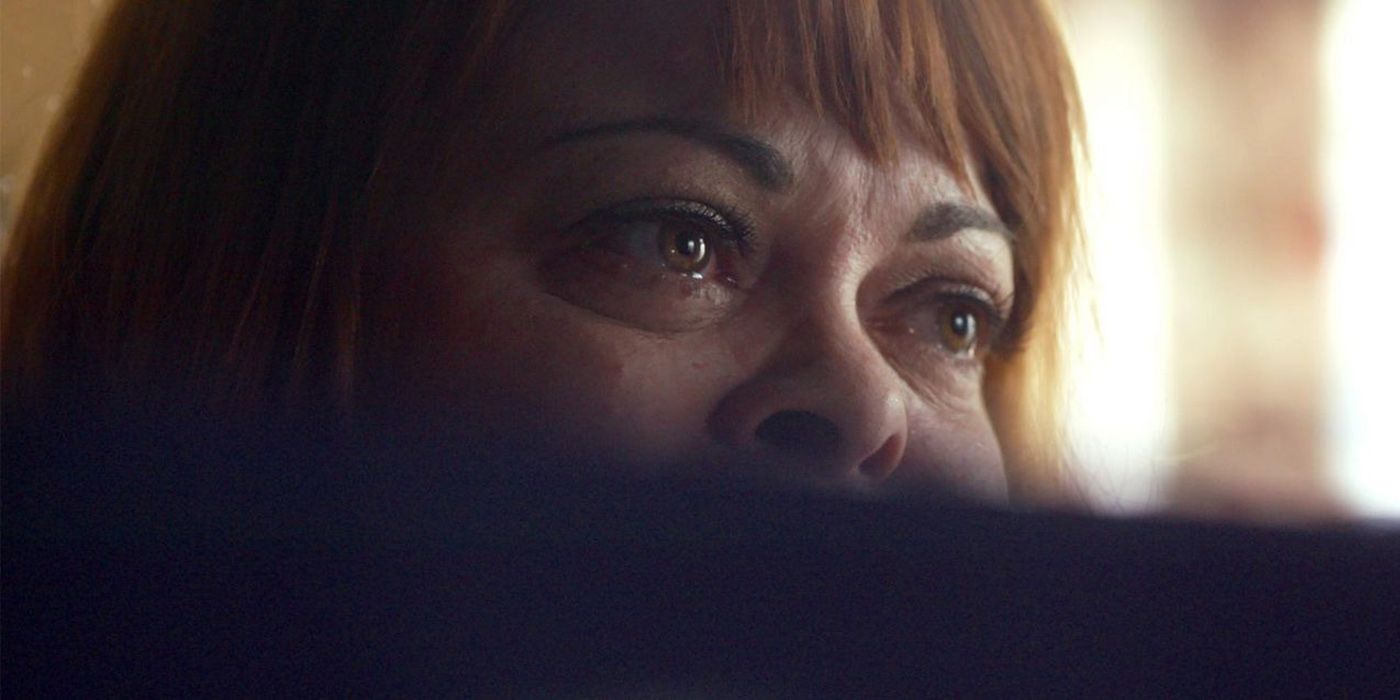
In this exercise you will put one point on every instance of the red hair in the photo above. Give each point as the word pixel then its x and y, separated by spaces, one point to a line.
pixel 211 214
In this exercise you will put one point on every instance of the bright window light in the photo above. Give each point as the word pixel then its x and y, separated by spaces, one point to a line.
pixel 1362 144
pixel 1120 410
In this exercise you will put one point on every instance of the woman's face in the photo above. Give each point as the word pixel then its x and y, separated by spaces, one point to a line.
pixel 633 276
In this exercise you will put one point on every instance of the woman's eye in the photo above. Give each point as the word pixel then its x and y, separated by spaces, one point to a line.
pixel 678 236
pixel 959 330
pixel 961 324
pixel 684 249
pixel 659 264
pixel 679 246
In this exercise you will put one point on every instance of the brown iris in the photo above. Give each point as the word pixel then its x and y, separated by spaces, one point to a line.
pixel 959 331
pixel 684 249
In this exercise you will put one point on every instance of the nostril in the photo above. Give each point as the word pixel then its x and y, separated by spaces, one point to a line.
pixel 800 432
pixel 885 460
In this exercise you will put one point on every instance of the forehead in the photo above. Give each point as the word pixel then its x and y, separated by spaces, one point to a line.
pixel 614 59
pixel 599 61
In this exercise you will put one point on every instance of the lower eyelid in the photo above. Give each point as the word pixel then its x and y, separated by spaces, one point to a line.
pixel 729 224
pixel 902 331
pixel 650 300
pixel 645 275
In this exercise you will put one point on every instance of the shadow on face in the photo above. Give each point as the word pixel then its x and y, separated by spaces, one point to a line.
pixel 643 277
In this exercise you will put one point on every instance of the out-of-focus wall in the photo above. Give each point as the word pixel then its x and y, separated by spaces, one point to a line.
pixel 1121 413
pixel 1204 215
pixel 1246 219
pixel 1214 241
pixel 1235 131
pixel 1361 144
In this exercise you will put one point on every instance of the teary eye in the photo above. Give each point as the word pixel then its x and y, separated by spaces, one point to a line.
pixel 959 330
pixel 684 249
pixel 658 264
pixel 684 237
pixel 676 245
pixel 958 320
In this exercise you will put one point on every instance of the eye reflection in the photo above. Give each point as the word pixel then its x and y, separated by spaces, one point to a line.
pixel 955 321
pixel 684 249
pixel 677 246
pixel 960 332
pixel 679 236
pixel 662 265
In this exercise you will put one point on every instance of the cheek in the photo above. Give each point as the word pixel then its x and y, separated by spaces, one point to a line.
pixel 957 443
pixel 541 379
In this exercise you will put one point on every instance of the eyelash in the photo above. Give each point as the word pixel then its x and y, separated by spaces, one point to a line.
pixel 939 294
pixel 987 310
pixel 731 226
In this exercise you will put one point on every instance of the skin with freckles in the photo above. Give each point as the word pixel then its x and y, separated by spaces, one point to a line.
pixel 638 277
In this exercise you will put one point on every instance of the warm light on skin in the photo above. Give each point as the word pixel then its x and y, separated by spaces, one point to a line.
pixel 807 348
pixel 1120 402
pixel 1363 149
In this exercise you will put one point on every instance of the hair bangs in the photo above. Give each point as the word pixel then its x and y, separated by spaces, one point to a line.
pixel 866 65
pixel 988 89
pixel 266 297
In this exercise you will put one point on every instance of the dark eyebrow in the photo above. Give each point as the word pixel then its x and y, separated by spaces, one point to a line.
pixel 947 218
pixel 763 162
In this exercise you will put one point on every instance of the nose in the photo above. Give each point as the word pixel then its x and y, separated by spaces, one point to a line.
pixel 826 405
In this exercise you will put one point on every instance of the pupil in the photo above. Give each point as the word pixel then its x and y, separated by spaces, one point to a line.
pixel 962 325
pixel 690 245
pixel 685 250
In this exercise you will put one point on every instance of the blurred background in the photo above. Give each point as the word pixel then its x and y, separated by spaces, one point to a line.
pixel 1243 254
pixel 1233 347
